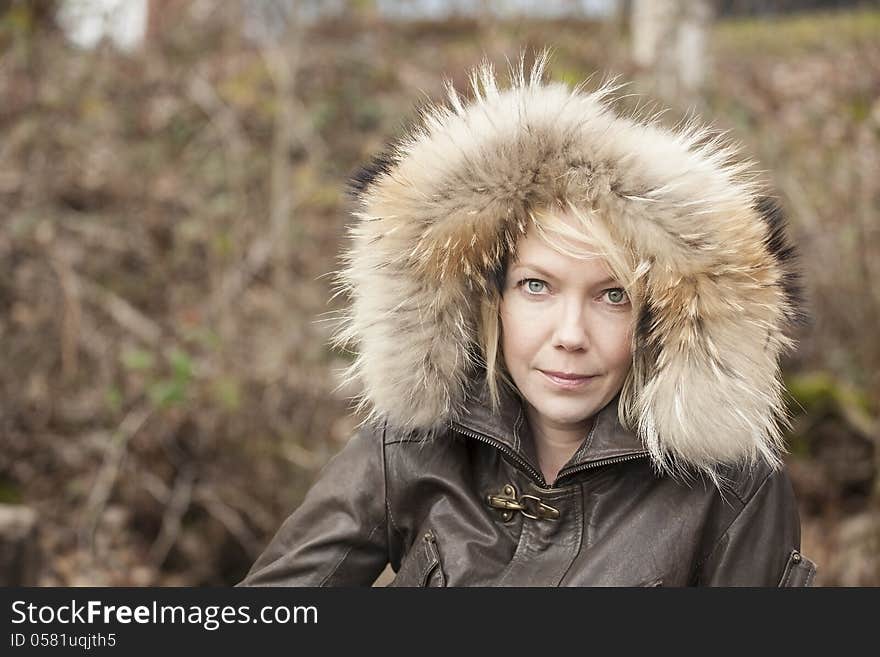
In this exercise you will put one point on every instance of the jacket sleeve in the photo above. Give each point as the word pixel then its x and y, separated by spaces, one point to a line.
pixel 338 535
pixel 761 546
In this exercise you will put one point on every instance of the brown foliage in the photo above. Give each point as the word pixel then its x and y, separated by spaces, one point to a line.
pixel 167 393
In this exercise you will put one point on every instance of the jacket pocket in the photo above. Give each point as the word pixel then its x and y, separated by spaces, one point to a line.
pixel 655 581
pixel 421 566
pixel 433 571
pixel 799 571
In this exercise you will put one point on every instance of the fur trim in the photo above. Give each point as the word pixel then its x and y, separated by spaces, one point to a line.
pixel 437 214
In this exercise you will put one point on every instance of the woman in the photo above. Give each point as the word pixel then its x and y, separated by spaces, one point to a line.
pixel 568 328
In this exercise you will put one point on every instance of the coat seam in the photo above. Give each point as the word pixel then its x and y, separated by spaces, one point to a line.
pixel 345 556
pixel 726 531
pixel 516 426
pixel 404 441
pixel 383 521
pixel 786 573
pixel 579 502
pixel 810 575
pixel 591 437
pixel 390 515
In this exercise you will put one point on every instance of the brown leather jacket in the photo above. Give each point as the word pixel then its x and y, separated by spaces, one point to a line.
pixel 471 508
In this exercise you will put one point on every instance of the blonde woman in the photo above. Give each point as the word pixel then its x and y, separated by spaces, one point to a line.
pixel 568 326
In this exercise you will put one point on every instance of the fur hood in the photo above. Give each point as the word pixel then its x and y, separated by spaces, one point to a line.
pixel 439 211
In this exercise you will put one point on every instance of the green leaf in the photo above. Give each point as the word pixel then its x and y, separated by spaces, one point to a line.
pixel 227 392
pixel 181 365
pixel 137 359
pixel 114 398
pixel 9 492
pixel 167 392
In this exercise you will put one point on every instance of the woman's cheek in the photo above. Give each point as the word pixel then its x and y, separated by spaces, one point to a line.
pixel 528 309
pixel 514 313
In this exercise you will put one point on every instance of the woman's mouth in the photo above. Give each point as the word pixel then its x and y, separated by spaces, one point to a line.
pixel 566 381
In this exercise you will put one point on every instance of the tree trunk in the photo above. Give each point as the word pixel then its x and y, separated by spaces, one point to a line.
pixel 19 548
pixel 670 43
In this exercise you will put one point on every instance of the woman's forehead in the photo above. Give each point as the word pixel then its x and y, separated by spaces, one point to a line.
pixel 589 269
pixel 535 248
pixel 559 245
pixel 551 264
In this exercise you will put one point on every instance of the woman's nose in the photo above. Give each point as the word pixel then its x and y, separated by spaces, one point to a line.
pixel 571 330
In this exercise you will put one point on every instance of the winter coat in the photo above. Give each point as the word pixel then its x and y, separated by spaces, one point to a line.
pixel 470 508
pixel 449 492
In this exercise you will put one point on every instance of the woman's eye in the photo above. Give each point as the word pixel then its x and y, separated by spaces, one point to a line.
pixel 536 287
pixel 617 296
pixel 533 286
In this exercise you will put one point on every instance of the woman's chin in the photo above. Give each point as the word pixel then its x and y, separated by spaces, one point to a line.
pixel 568 413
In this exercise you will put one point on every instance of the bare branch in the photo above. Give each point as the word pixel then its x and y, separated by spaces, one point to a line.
pixel 178 503
pixel 229 518
pixel 114 456
pixel 126 315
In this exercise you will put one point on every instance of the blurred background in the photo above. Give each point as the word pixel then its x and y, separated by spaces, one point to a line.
pixel 173 199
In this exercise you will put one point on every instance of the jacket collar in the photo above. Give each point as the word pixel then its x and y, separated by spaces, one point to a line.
pixel 509 427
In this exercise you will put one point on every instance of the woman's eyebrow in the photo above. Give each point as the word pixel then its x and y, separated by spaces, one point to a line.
pixel 540 270
pixel 544 272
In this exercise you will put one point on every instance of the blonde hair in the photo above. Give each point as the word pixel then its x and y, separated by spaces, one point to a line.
pixel 591 238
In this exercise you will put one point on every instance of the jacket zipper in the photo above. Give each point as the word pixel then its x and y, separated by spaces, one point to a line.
pixel 598 464
pixel 536 476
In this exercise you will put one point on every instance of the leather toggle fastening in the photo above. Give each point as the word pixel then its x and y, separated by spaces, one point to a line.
pixel 531 506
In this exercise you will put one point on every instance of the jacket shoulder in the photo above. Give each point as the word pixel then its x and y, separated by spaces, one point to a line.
pixel 739 483
pixel 422 439
pixel 754 534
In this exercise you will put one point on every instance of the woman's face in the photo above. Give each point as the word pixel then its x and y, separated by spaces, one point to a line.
pixel 566 315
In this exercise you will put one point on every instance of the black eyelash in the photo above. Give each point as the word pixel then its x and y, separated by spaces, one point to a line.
pixel 519 285
pixel 610 289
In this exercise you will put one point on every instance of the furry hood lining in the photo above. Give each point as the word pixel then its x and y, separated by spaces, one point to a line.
pixel 437 214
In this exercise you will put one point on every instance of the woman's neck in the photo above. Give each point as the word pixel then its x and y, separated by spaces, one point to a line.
pixel 555 444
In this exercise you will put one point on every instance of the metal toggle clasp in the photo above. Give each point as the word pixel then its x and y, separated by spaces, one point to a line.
pixel 529 505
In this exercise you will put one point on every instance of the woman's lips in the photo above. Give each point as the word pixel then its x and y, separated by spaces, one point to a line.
pixel 566 382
